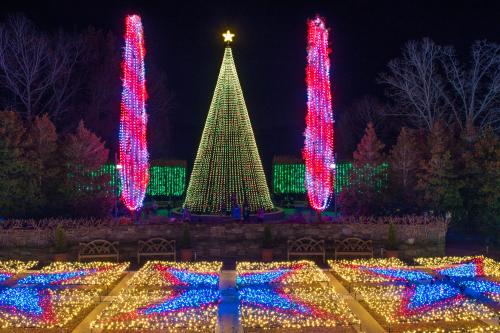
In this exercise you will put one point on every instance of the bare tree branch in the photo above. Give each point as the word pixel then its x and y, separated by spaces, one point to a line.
pixel 414 82
pixel 35 68
pixel 476 89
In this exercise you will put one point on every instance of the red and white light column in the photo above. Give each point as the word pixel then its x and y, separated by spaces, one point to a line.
pixel 134 172
pixel 319 134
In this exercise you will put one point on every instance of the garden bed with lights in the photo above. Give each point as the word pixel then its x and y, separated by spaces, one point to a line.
pixel 55 298
pixel 459 294
pixel 290 297
pixel 167 297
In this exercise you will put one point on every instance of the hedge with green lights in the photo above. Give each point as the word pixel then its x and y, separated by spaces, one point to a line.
pixel 167 178
pixel 289 172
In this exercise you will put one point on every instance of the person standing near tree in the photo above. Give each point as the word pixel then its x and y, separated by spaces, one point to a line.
pixel 260 214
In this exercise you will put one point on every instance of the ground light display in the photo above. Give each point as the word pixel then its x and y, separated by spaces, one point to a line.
pixel 454 296
pixel 290 296
pixel 319 134
pixel 10 268
pixel 134 170
pixel 167 296
pixel 485 266
pixel 449 294
pixel 227 169
pixel 56 296
pixel 255 273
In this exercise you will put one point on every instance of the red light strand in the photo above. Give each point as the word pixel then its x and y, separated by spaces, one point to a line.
pixel 319 134
pixel 133 118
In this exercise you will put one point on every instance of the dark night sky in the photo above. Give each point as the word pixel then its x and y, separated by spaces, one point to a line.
pixel 184 38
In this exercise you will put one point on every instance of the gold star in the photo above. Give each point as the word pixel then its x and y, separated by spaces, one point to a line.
pixel 228 36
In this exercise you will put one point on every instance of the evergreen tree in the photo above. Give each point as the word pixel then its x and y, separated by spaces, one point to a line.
pixel 43 154
pixel 227 169
pixel 369 150
pixel 481 190
pixel 404 162
pixel 364 195
pixel 439 181
pixel 87 193
pixel 20 194
pixel 404 159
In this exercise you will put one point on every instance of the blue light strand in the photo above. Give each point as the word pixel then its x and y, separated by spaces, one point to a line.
pixel 194 278
pixel 271 298
pixel 400 274
pixel 52 278
pixel 26 300
pixel 183 300
pixel 427 295
pixel 462 270
pixel 5 276
pixel 255 278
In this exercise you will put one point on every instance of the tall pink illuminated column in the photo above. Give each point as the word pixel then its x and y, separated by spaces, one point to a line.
pixel 319 134
pixel 134 171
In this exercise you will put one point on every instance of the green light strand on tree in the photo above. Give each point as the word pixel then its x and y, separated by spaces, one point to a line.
pixel 227 167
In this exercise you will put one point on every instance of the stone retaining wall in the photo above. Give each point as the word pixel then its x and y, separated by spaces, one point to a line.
pixel 229 240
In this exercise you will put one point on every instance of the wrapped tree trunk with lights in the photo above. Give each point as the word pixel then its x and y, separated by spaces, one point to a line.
pixel 227 170
pixel 319 134
pixel 134 171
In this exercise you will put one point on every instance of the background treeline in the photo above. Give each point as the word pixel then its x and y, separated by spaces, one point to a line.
pixel 75 76
pixel 438 127
pixel 437 172
pixel 46 174
pixel 61 94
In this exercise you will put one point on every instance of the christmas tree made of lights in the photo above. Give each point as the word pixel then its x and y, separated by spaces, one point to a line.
pixel 227 168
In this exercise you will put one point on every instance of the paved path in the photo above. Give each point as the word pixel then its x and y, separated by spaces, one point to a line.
pixel 368 323
pixel 84 326
pixel 229 319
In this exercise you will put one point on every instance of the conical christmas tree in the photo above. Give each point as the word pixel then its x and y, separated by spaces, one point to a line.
pixel 227 169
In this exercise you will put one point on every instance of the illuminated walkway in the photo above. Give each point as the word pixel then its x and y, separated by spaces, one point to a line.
pixel 368 323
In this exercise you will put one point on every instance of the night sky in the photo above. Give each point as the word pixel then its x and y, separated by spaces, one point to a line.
pixel 184 38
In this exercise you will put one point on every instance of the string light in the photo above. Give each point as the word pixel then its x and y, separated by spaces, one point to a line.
pixel 293 308
pixel 133 118
pixel 227 167
pixel 55 296
pixel 489 266
pixel 288 295
pixel 289 177
pixel 164 180
pixel 100 274
pixel 16 266
pixel 187 310
pixel 358 270
pixel 457 292
pixel 162 295
pixel 319 133
pixel 294 272
pixel 10 268
pixel 177 274
pixel 390 302
pixel 167 181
